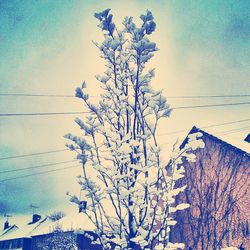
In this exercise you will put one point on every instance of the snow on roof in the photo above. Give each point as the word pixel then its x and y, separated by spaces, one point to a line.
pixel 243 145
pixel 8 230
pixel 73 222
pixel 235 143
pixel 21 230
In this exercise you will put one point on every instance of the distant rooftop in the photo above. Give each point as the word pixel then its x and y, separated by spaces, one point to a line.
pixel 22 230
pixel 72 222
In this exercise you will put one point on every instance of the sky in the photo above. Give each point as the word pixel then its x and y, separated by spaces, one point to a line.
pixel 46 48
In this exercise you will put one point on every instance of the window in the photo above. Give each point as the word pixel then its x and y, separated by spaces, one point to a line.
pixel 6 244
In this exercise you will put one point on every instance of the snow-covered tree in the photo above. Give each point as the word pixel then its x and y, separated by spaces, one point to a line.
pixel 129 190
pixel 58 240
pixel 57 215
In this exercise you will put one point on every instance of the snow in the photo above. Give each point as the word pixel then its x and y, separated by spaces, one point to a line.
pixel 236 142
pixel 75 221
pixel 175 246
pixel 243 145
pixel 182 206
pixel 129 168
pixel 22 230
pixel 72 222
pixel 8 230
pixel 229 248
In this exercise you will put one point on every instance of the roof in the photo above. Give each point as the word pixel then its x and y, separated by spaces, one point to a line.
pixel 241 147
pixel 22 230
pixel 73 222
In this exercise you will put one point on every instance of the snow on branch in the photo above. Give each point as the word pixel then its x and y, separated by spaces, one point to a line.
pixel 129 191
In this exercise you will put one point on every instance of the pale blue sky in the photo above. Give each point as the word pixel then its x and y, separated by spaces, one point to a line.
pixel 45 47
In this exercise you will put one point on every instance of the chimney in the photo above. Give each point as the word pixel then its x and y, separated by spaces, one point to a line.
pixel 82 206
pixel 247 139
pixel 6 225
pixel 36 218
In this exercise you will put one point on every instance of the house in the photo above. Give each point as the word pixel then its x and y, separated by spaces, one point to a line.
pixel 19 236
pixel 74 231
pixel 218 194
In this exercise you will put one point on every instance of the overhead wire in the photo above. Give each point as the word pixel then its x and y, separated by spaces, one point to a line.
pixel 212 105
pixel 34 95
pixel 234 130
pixel 208 126
pixel 173 132
pixel 82 112
pixel 44 113
pixel 35 167
pixel 221 133
pixel 207 96
pixel 39 173
pixel 59 169
pixel 173 96
pixel 33 154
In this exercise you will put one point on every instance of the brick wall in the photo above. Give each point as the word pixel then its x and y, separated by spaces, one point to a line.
pixel 218 191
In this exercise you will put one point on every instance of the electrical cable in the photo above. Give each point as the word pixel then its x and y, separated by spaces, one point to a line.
pixel 209 126
pixel 39 173
pixel 32 154
pixel 35 167
pixel 174 96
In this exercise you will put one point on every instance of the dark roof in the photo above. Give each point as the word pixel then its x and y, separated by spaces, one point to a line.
pixel 230 146
pixel 247 139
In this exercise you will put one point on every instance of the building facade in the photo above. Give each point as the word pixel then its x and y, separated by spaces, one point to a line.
pixel 218 194
pixel 71 232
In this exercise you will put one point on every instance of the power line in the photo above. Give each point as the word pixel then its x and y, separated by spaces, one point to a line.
pixel 174 96
pixel 234 130
pixel 32 154
pixel 80 112
pixel 44 113
pixel 59 169
pixel 173 132
pixel 35 167
pixel 225 123
pixel 220 133
pixel 40 173
pixel 212 105
pixel 207 96
pixel 34 95
pixel 209 126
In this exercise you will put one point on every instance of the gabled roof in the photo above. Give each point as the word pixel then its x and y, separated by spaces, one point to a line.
pixel 73 222
pixel 22 230
pixel 242 148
